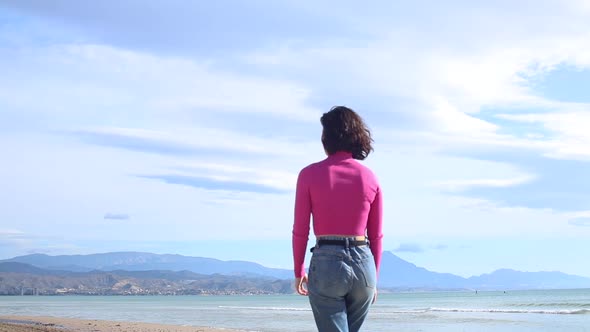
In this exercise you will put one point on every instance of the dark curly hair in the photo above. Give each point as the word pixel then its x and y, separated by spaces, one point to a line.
pixel 344 130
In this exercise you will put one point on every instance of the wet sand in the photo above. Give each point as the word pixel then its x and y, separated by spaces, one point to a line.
pixel 57 324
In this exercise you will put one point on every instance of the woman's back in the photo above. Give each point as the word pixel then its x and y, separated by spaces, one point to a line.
pixel 341 192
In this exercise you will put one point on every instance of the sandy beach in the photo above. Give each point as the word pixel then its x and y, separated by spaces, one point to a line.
pixel 57 324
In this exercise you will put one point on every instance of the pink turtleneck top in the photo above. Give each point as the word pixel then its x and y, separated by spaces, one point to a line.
pixel 344 198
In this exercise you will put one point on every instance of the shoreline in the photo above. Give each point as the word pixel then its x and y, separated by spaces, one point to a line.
pixel 11 323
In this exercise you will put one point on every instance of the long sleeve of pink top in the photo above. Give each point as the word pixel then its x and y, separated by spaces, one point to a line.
pixel 344 198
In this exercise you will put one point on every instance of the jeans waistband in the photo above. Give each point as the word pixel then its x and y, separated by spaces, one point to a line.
pixel 346 242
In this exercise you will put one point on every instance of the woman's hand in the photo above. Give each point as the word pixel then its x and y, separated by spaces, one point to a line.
pixel 301 285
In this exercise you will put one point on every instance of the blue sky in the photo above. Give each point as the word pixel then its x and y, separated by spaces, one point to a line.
pixel 180 127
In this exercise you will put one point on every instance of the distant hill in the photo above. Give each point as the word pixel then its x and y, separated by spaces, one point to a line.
pixel 395 272
pixel 17 267
pixel 141 261
pixel 506 278
pixel 25 279
pixel 398 273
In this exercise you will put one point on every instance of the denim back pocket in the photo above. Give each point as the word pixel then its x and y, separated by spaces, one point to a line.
pixel 328 275
pixel 365 265
pixel 369 272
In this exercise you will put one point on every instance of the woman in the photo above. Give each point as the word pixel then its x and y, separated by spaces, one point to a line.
pixel 346 203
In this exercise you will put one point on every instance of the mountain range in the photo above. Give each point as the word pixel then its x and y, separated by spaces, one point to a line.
pixel 25 279
pixel 395 272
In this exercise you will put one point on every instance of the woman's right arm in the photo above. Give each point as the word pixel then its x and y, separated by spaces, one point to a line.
pixel 302 215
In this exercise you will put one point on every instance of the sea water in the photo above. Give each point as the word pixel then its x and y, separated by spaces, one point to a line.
pixel 536 310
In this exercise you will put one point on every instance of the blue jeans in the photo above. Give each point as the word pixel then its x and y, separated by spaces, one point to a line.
pixel 341 287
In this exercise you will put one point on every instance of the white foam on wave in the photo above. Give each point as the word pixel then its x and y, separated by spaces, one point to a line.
pixel 555 304
pixel 416 311
pixel 516 311
pixel 263 308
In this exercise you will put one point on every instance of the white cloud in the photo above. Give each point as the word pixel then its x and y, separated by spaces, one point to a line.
pixel 233 158
pixel 194 140
pixel 409 247
pixel 445 87
pixel 116 216
pixel 464 217
pixel 269 177
pixel 87 80
pixel 570 135
pixel 458 185
pixel 10 233
pixel 103 179
pixel 449 119
pixel 13 239
pixel 580 222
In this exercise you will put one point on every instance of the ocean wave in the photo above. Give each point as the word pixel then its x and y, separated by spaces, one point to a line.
pixel 409 311
pixel 516 311
pixel 263 308
pixel 433 309
pixel 556 304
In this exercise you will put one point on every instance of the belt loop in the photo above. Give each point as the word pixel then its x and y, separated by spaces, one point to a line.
pixel 347 242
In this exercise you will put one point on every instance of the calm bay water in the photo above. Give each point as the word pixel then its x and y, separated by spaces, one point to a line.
pixel 553 310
